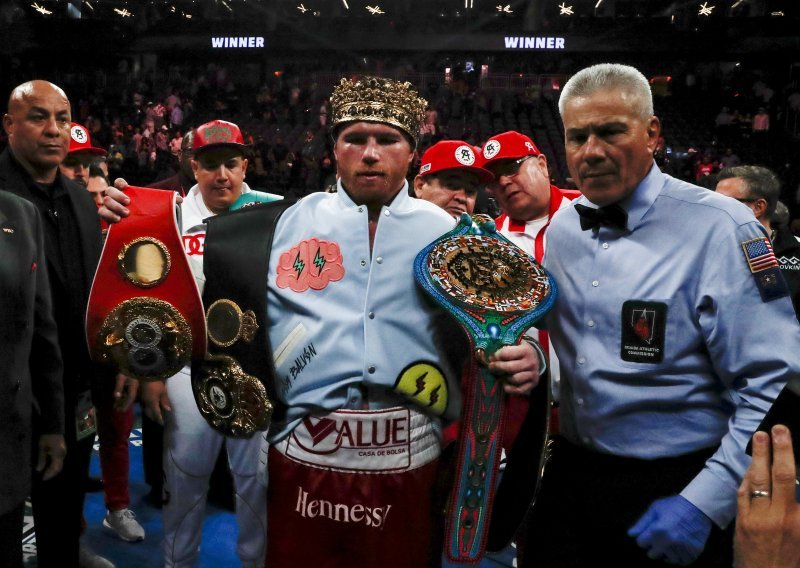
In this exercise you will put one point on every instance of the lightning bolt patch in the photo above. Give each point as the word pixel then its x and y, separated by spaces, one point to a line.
pixel 325 255
pixel 420 384
pixel 434 396
pixel 299 265
pixel 425 384
pixel 319 261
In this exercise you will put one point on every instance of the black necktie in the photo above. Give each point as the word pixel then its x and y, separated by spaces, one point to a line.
pixel 611 216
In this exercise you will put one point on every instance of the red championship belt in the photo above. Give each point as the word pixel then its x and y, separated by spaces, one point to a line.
pixel 145 315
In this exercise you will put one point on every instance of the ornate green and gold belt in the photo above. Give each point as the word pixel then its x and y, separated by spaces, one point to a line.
pixel 496 292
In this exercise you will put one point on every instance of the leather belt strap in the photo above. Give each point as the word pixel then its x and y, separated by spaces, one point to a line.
pixel 236 266
pixel 144 315
pixel 525 461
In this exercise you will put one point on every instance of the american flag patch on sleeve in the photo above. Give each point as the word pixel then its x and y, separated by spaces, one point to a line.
pixel 759 255
pixel 764 267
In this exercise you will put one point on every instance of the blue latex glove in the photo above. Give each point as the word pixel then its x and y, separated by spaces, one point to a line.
pixel 672 530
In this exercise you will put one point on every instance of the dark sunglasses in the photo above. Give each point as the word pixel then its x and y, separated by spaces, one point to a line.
pixel 507 168
pixel 73 161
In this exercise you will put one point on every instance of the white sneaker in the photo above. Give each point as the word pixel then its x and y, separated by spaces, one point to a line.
pixel 124 523
pixel 88 559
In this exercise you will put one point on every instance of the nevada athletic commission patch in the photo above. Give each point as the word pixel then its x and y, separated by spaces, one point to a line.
pixel 764 267
pixel 643 325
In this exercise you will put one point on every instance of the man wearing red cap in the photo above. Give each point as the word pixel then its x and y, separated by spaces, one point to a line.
pixel 449 176
pixel 528 200
pixel 522 188
pixel 81 155
pixel 80 160
pixel 191 445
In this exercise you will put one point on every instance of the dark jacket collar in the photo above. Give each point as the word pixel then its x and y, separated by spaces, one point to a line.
pixel 15 179
pixel 784 241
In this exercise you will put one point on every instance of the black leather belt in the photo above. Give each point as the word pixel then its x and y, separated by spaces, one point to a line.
pixel 235 386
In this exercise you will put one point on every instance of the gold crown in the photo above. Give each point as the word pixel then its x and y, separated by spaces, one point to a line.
pixel 376 99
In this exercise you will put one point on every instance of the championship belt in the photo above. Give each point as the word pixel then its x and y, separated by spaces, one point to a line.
pixel 234 385
pixel 145 316
pixel 496 292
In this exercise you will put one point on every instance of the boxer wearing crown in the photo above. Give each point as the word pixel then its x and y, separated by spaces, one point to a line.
pixel 366 383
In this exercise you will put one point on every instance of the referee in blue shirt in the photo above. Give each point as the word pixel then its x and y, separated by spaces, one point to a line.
pixel 675 334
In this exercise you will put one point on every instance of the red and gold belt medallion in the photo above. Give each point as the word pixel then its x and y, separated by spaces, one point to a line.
pixel 145 316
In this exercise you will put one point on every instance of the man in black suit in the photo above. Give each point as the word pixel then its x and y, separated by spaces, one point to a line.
pixel 38 127
pixel 31 394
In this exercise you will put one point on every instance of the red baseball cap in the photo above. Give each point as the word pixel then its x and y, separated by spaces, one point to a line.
pixel 217 134
pixel 80 141
pixel 453 155
pixel 509 145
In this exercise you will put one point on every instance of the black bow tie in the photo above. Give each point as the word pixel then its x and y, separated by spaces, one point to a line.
pixel 611 216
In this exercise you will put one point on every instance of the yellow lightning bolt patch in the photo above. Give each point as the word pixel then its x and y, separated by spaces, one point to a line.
pixel 424 383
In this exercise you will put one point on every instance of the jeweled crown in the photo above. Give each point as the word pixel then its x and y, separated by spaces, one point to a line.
pixel 376 99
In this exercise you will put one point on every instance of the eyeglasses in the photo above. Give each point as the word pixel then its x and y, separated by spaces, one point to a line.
pixel 74 161
pixel 507 168
pixel 746 199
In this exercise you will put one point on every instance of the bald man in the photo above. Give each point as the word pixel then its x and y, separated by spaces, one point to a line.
pixel 38 127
